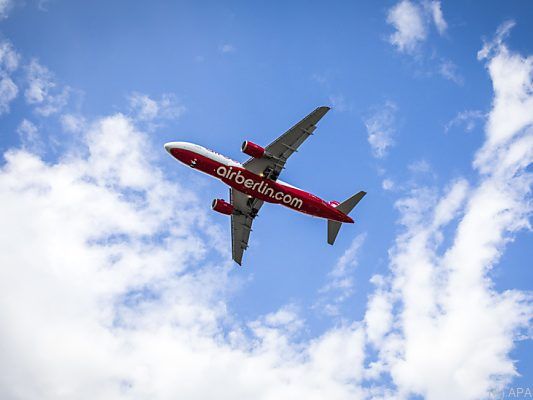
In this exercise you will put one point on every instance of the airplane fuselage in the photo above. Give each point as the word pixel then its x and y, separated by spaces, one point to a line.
pixel 235 175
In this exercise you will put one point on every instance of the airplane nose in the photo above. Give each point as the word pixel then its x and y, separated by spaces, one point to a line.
pixel 168 147
pixel 176 150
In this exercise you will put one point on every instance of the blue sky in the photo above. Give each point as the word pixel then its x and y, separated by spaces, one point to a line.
pixel 426 296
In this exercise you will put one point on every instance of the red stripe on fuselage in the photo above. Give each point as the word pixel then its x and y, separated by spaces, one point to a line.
pixel 260 187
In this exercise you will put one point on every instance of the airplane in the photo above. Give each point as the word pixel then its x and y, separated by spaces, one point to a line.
pixel 256 181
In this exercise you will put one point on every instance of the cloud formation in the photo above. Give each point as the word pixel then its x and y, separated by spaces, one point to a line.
pixel 5 7
pixel 29 137
pixel 340 283
pixel 467 119
pixel 73 123
pixel 448 70
pixel 381 127
pixel 436 13
pixel 512 112
pixel 9 60
pixel 43 91
pixel 114 284
pixel 146 109
pixel 387 184
pixel 411 22
pixel 227 48
pixel 408 20
pixel 128 294
pixel 453 332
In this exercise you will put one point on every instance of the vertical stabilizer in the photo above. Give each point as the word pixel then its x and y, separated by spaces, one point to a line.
pixel 333 230
pixel 346 207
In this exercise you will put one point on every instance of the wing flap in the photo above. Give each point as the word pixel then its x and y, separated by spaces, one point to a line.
pixel 246 209
pixel 278 152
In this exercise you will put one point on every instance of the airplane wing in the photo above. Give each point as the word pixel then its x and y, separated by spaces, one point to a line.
pixel 277 152
pixel 241 221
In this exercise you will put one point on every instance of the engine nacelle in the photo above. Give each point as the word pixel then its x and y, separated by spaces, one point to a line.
pixel 222 207
pixel 252 149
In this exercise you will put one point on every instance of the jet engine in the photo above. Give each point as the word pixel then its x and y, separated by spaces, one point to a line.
pixel 222 207
pixel 252 149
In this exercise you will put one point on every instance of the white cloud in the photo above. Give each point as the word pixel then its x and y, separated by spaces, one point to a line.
pixel 436 13
pixel 411 21
pixel 227 48
pixel 408 20
pixel 340 275
pixel 467 118
pixel 8 92
pixel 381 128
pixel 448 207
pixel 108 291
pixel 113 285
pixel 340 281
pixel 378 316
pixel 338 102
pixel 449 71
pixel 513 84
pixel 40 81
pixel 43 91
pixel 73 123
pixel 321 78
pixel 148 109
pixel 453 333
pixel 387 184
pixel 42 5
pixel 28 136
pixel 496 44
pixel 419 167
pixel 339 353
pixel 95 246
pixel 5 7
pixel 9 60
pixel 285 321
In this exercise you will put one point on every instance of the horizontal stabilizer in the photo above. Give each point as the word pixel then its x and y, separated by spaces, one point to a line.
pixel 345 207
